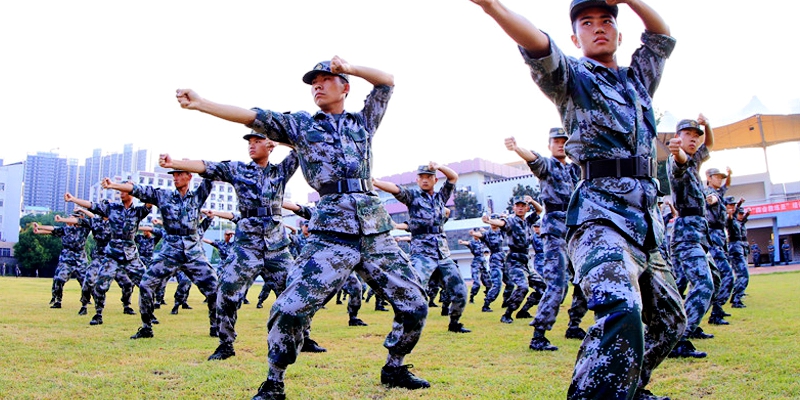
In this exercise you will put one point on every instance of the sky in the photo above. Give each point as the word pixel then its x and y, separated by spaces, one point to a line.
pixel 76 76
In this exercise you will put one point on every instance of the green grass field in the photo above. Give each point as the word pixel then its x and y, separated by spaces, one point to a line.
pixel 55 354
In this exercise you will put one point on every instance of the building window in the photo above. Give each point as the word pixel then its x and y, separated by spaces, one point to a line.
pixel 150 181
pixel 2 186
pixel 230 198
pixel 213 206
pixel 1 202
pixel 230 189
pixel 160 182
pixel 230 207
pixel 4 252
pixel 141 180
pixel 213 196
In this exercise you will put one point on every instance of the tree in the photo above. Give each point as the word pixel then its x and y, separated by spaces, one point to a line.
pixel 37 252
pixel 520 190
pixel 467 205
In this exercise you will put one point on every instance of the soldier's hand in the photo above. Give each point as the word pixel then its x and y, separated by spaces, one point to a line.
pixel 36 225
pixel 711 199
pixel 728 170
pixel 485 218
pixel 105 183
pixel 433 166
pixel 157 221
pixel 188 98
pixel 511 143
pixel 208 213
pixel 702 120
pixel 675 145
pixel 57 218
pixel 164 161
pixel 36 230
pixel 340 66
pixel 484 3
pixel 68 197
pixel 528 199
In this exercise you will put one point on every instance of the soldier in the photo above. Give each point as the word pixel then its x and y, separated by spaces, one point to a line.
pixel 121 254
pixel 478 266
pixel 260 242
pixel 557 179
pixel 350 228
pixel 771 253
pixel 184 282
pixel 717 186
pixel 786 254
pixel 429 249
pixel 182 248
pixel 736 250
pixel 146 241
pixel 519 230
pixel 72 259
pixel 756 252
pixel 613 225
pixel 689 149
pixel 494 240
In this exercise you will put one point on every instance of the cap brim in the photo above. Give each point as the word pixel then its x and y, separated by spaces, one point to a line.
pixel 310 75
pixel 614 10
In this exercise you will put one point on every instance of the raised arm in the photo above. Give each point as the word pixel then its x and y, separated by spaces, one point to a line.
pixel 85 212
pixel 387 187
pixel 122 187
pixel 42 229
pixel 676 150
pixel 537 208
pixel 190 100
pixel 452 176
pixel 709 133
pixel 653 22
pixel 66 220
pixel 525 154
pixel 165 161
pixel 374 76
pixel 493 222
pixel 81 202
pixel 728 179
pixel 222 214
pixel 517 27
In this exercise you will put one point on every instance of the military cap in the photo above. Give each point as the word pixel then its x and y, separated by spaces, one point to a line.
pixel 537 224
pixel 76 214
pixel 556 133
pixel 254 134
pixel 424 169
pixel 577 6
pixel 729 200
pixel 715 171
pixel 689 124
pixel 520 199
pixel 494 216
pixel 322 67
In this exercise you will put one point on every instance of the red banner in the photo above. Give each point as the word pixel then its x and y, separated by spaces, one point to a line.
pixel 775 207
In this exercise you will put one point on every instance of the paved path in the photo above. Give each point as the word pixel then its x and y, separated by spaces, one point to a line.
pixel 778 268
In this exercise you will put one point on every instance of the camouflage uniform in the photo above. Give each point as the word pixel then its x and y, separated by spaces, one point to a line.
pixel 429 249
pixel 717 217
pixel 557 181
pixel 494 240
pixel 181 295
pixel 72 259
pixel 736 252
pixel 786 254
pixel 519 233
pixel 101 231
pixel 771 252
pixel 146 246
pixel 614 227
pixel 181 249
pixel 350 229
pixel 260 242
pixel 478 267
pixel 121 253
pixel 538 252
pixel 690 235
pixel 755 250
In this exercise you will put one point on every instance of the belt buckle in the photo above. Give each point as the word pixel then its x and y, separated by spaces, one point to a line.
pixel 261 212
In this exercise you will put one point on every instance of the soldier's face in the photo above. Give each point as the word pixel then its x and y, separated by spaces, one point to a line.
pixel 715 181
pixel 328 91
pixel 426 182
pixel 520 209
pixel 596 33
pixel 125 197
pixel 259 149
pixel 181 179
pixel 690 140
pixel 557 148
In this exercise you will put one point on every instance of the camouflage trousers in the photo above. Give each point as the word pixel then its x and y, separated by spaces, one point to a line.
pixel 238 273
pixel 65 269
pixel 639 314
pixel 90 280
pixel 479 275
pixel 450 277
pixel 265 289
pixel 539 259
pixel 184 287
pixel 165 264
pixel 690 257
pixel 555 276
pixel 722 291
pixel 109 269
pixel 496 276
pixel 354 291
pixel 322 268
pixel 521 277
pixel 739 266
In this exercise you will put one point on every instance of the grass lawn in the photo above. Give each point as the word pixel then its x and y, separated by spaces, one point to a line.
pixel 54 353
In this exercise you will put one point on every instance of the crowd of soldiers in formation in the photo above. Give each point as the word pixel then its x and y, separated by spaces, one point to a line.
pixel 598 218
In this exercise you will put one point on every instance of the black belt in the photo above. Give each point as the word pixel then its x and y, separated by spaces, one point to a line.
pixel 734 239
pixel 633 167
pixel 515 249
pixel 346 186
pixel 426 230
pixel 259 212
pixel 548 206
pixel 691 212
pixel 716 225
pixel 180 231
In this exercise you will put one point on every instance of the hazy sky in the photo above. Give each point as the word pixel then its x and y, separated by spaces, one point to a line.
pixel 98 74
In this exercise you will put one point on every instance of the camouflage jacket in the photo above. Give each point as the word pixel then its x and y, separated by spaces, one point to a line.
pixel 124 222
pixel 494 240
pixel 426 219
pixel 519 232
pixel 331 150
pixel 717 216
pixel 257 187
pixel 557 181
pixel 476 248
pixel 688 193
pixel 609 114
pixel 73 241
pixel 101 231
pixel 224 248
pixel 146 244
